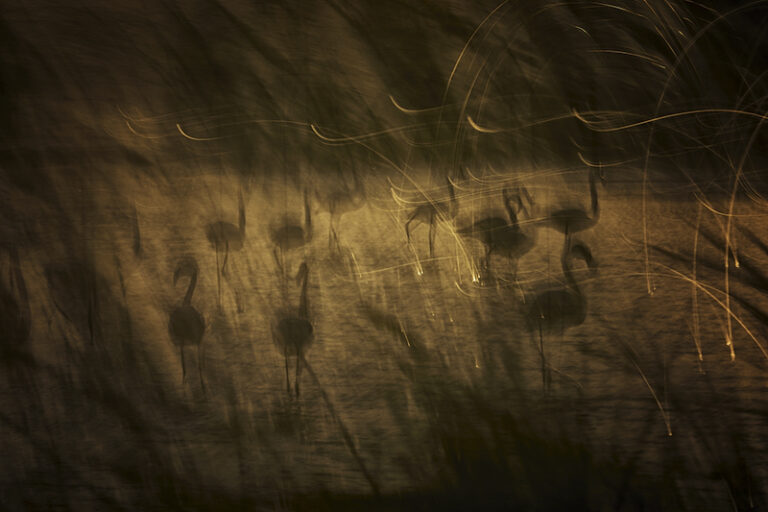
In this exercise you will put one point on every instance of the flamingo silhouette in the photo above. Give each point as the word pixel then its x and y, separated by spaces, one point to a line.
pixel 555 311
pixel 186 325
pixel 502 236
pixel 288 237
pixel 225 236
pixel 432 211
pixel 294 333
pixel 573 220
pixel 340 202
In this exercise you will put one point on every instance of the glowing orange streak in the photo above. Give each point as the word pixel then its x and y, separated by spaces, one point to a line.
pixel 660 101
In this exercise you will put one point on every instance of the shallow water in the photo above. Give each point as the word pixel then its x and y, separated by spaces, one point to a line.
pixel 417 377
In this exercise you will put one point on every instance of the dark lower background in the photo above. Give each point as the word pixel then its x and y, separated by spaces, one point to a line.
pixel 129 127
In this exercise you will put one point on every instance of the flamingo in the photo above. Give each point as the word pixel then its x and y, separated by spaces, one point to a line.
pixel 555 311
pixel 225 236
pixel 431 211
pixel 502 236
pixel 573 220
pixel 288 237
pixel 186 325
pixel 341 201
pixel 294 333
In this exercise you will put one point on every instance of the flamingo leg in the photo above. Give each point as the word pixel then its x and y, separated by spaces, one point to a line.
pixel 200 367
pixel 432 236
pixel 218 277
pixel 278 254
pixel 298 370
pixel 408 223
pixel 183 366
pixel 287 379
pixel 226 257
pixel 330 233
pixel 333 236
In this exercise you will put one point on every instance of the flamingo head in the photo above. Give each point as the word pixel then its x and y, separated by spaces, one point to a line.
pixel 187 266
pixel 581 251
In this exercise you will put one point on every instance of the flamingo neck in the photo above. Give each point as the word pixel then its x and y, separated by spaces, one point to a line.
pixel 304 301
pixel 568 273
pixel 190 288
pixel 511 213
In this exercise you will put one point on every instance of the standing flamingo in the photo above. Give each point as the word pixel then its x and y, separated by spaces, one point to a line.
pixel 226 237
pixel 294 333
pixel 573 220
pixel 186 325
pixel 555 311
pixel 288 236
pixel 341 201
pixel 502 236
pixel 432 211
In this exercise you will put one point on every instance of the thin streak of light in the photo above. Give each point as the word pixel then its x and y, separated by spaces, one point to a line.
pixel 128 124
pixel 593 125
pixel 466 47
pixel 364 136
pixel 706 289
pixel 659 102
pixel 200 139
pixel 592 164
pixel 483 129
pixel 413 110
pixel 728 226
pixel 694 289
pixel 656 398
pixel 706 204
pixel 631 54
pixel 581 29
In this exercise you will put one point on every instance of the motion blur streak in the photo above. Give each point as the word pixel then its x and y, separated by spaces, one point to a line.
pixel 543 285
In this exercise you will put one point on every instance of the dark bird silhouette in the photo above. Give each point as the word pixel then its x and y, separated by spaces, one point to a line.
pixel 502 236
pixel 573 220
pixel 15 316
pixel 340 201
pixel 433 211
pixel 555 311
pixel 186 325
pixel 291 236
pixel 225 236
pixel 294 333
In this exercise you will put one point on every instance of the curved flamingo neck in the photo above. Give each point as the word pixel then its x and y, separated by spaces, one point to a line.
pixel 568 273
pixel 511 213
pixel 190 288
